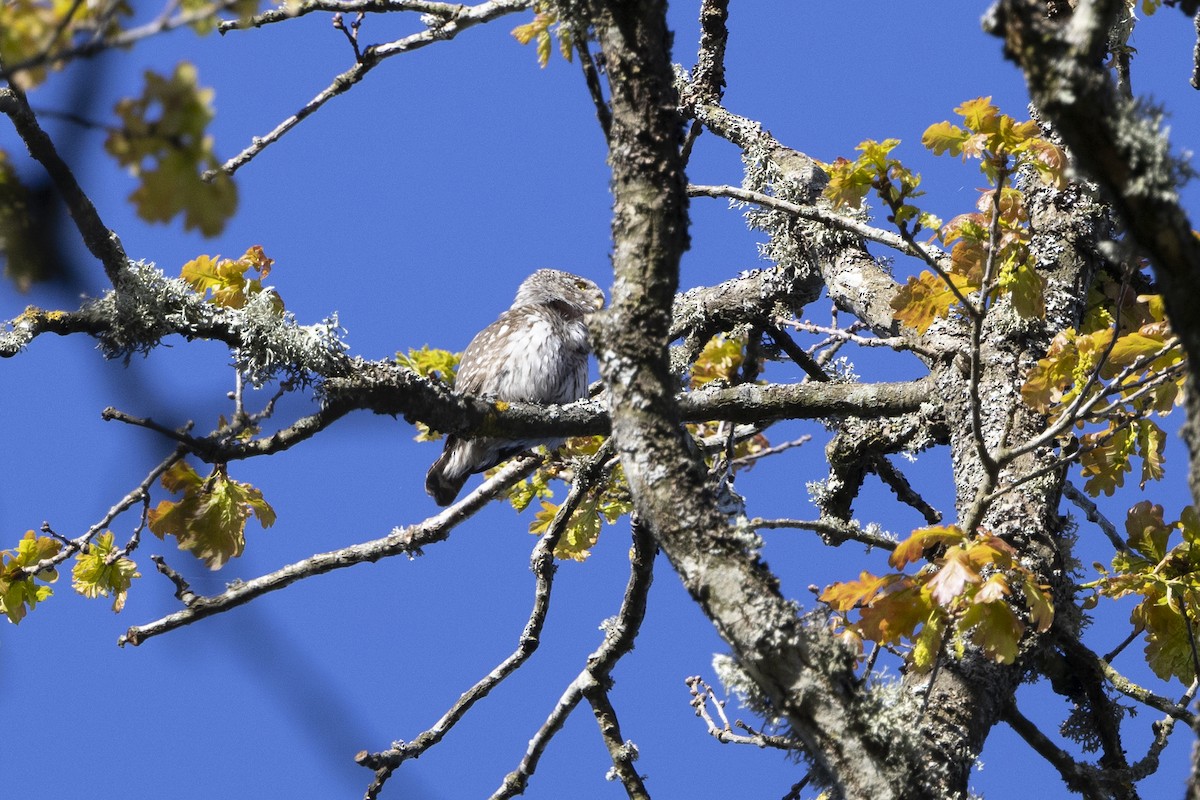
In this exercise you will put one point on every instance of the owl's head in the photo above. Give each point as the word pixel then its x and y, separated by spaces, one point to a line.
pixel 550 285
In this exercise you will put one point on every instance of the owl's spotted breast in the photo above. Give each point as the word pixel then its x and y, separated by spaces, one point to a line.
pixel 535 352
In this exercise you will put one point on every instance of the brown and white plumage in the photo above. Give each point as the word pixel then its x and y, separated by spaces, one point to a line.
pixel 536 352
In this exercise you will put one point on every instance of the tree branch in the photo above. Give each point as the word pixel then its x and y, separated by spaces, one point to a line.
pixel 408 541
pixel 1118 144
pixel 448 26
pixel 619 635
pixel 1078 777
pixel 802 671
pixel 100 241
pixel 541 563
pixel 446 11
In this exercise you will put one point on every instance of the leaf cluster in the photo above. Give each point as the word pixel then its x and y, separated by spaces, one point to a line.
pixel 30 28
pixel 989 247
pixel 209 520
pixel 608 499
pixel 101 569
pixel 163 141
pixel 965 592
pixel 1167 579
pixel 1115 373
pixel 226 282
pixel 544 28
pixel 20 589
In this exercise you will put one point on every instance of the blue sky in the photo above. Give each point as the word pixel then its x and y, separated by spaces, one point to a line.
pixel 412 206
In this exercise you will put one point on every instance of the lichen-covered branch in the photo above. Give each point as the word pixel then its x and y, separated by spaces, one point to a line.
pixel 806 675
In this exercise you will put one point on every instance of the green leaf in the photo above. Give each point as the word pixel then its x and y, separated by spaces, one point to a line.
pixel 19 592
pixel 98 573
pixel 995 628
pixel 163 141
pixel 582 532
pixel 1025 288
pixel 1151 441
pixel 210 519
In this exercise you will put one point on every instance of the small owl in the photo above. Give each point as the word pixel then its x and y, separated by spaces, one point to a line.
pixel 536 352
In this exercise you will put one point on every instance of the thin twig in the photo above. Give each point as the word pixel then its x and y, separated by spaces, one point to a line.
pixel 1093 514
pixel 893 342
pixel 750 458
pixel 618 640
pixel 703 694
pixel 1148 764
pixel 832 531
pixel 1143 695
pixel 541 562
pixel 1137 631
pixel 447 28
pixel 140 493
pixel 591 78
pixel 183 591
pixel 930 255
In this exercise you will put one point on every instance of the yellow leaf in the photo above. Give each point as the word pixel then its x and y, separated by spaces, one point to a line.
pixel 924 299
pixel 210 519
pixel 847 595
pixel 942 137
pixel 96 573
pixel 914 547
pixel 979 115
pixel 995 628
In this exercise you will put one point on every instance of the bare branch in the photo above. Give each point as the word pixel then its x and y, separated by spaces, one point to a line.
pixel 100 241
pixel 702 695
pixel 447 28
pixel 407 541
pixel 1093 514
pixel 619 634
pixel 541 562
pixel 622 753
pixel 1079 777
pixel 832 531
pixel 139 494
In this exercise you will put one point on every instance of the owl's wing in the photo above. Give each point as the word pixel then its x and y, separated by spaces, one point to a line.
pixel 521 356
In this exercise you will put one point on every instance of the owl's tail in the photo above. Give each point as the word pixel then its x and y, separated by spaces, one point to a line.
pixel 442 483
